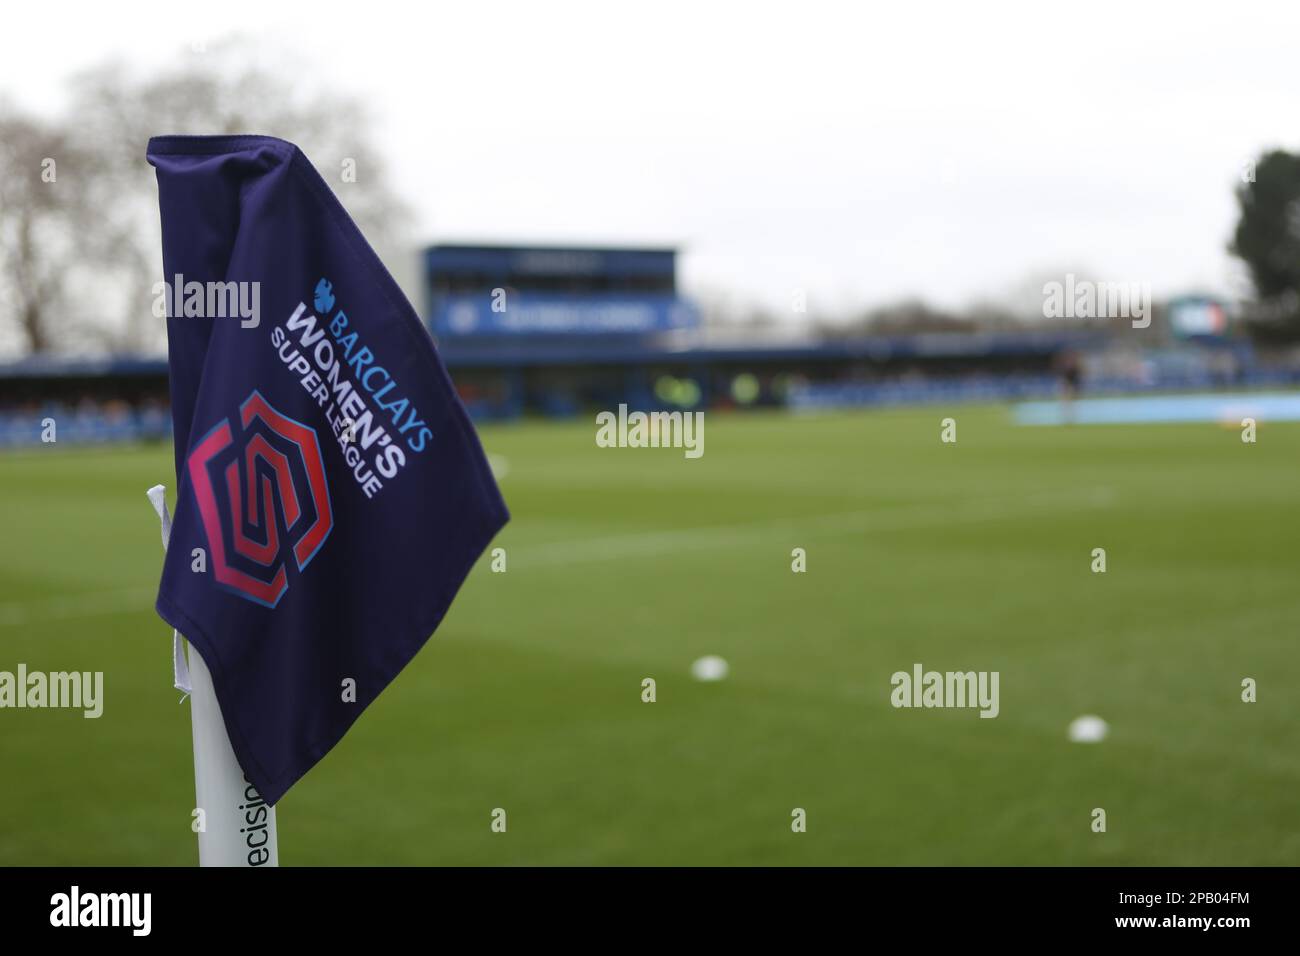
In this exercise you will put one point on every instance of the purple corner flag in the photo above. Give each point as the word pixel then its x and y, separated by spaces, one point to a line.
pixel 324 463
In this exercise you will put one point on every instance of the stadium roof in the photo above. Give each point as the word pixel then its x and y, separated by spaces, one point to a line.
pixel 532 353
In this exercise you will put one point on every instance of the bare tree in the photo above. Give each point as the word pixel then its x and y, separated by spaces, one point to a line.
pixel 225 89
pixel 42 216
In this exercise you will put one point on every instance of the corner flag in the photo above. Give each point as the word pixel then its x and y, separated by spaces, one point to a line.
pixel 332 493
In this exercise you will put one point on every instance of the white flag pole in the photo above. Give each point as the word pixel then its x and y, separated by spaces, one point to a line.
pixel 238 828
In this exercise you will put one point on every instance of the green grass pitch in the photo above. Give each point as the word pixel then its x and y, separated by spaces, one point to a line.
pixel 625 564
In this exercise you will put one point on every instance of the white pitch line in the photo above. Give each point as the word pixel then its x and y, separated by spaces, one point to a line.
pixel 89 604
pixel 650 543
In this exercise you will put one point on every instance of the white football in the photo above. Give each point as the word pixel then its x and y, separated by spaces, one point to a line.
pixel 1088 729
pixel 710 667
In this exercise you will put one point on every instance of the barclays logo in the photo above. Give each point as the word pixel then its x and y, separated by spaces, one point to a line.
pixel 324 297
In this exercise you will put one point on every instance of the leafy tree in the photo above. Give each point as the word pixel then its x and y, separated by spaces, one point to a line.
pixel 1267 240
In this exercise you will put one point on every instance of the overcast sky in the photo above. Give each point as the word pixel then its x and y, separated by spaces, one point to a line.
pixel 860 152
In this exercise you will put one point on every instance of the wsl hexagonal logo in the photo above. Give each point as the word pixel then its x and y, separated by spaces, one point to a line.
pixel 259 481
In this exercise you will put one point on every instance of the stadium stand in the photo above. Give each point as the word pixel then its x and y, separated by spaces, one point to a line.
pixel 554 331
